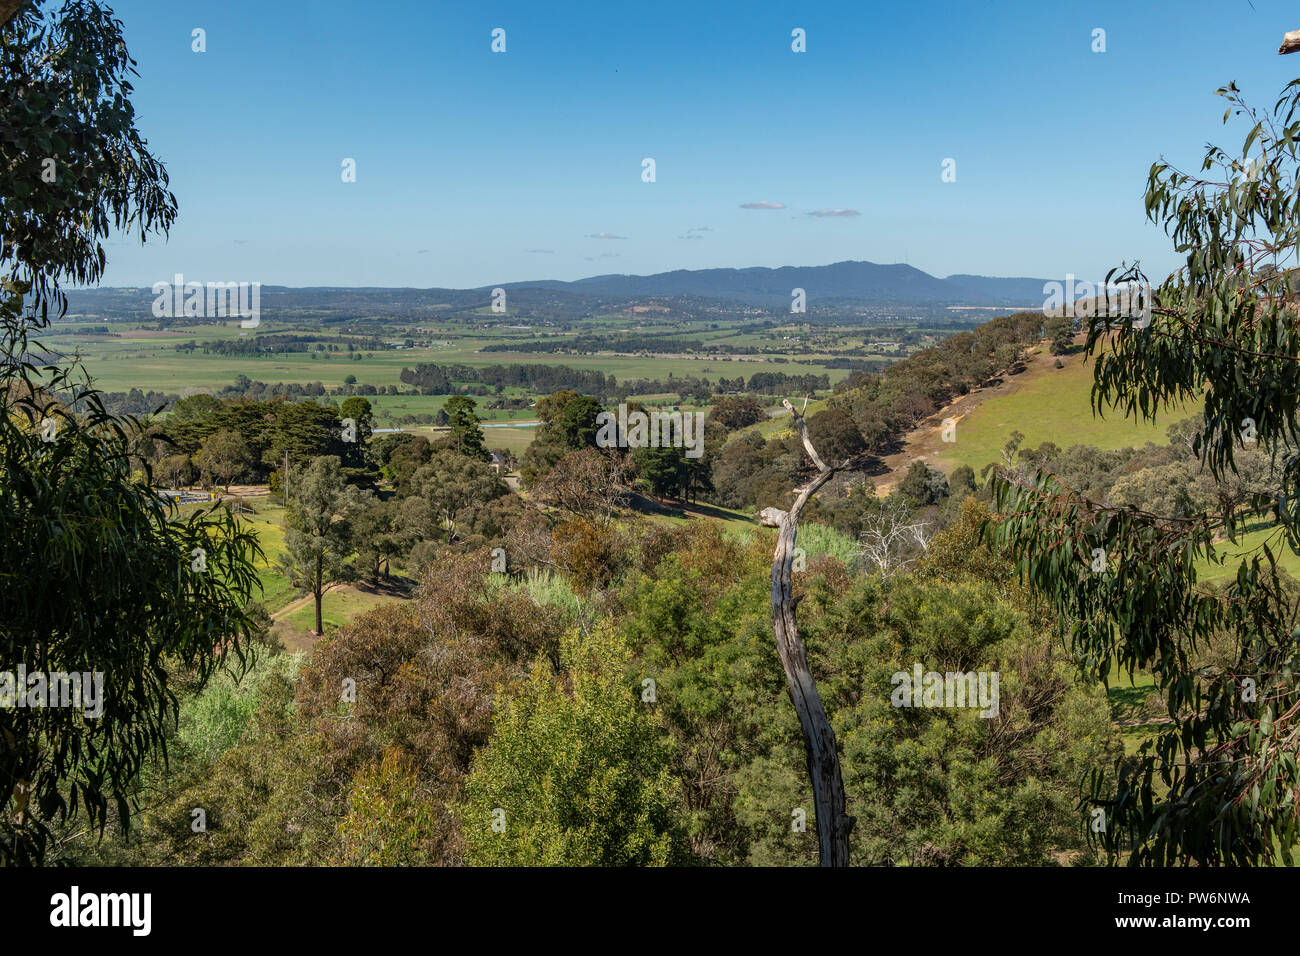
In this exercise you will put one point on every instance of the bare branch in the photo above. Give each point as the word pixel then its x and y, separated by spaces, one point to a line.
pixel 833 822
pixel 887 536
pixel 803 433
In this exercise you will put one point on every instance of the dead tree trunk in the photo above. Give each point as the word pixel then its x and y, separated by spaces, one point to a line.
pixel 833 821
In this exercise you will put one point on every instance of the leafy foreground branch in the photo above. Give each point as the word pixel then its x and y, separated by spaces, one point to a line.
pixel 1222 785
pixel 97 578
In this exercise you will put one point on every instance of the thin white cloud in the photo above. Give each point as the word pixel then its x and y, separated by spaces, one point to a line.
pixel 604 235
pixel 834 212
pixel 542 252
pixel 762 204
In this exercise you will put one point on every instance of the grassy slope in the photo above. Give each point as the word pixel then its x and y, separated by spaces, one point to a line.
pixel 1050 404
pixel 1047 404
pixel 338 606
pixel 1246 546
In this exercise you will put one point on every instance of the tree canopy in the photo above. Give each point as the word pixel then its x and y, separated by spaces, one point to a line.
pixel 1218 786
pixel 106 584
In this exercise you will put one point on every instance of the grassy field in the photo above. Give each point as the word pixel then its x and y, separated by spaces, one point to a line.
pixel 1047 404
pixel 509 439
pixel 294 628
pixel 148 359
pixel 389 408
pixel 268 522
pixel 337 608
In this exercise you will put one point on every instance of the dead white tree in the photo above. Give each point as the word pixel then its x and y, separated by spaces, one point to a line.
pixel 890 538
pixel 831 809
pixel 1290 42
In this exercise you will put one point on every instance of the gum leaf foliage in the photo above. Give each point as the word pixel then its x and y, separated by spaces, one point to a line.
pixel 1218 785
pixel 96 575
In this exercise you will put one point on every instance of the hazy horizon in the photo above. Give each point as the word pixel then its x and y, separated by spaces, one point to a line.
pixel 594 275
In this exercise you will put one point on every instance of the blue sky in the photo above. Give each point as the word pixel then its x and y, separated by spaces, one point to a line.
pixel 476 167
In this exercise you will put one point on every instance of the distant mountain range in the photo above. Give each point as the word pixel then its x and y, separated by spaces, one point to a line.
pixel 839 285
pixel 867 281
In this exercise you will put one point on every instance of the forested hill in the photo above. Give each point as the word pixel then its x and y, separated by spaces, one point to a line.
pixel 857 282
pixel 867 281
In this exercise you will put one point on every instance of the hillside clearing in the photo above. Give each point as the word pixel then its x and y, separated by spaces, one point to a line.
pixel 1043 403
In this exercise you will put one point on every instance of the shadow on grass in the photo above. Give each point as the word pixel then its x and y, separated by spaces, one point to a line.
pixel 1133 703
pixel 673 508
